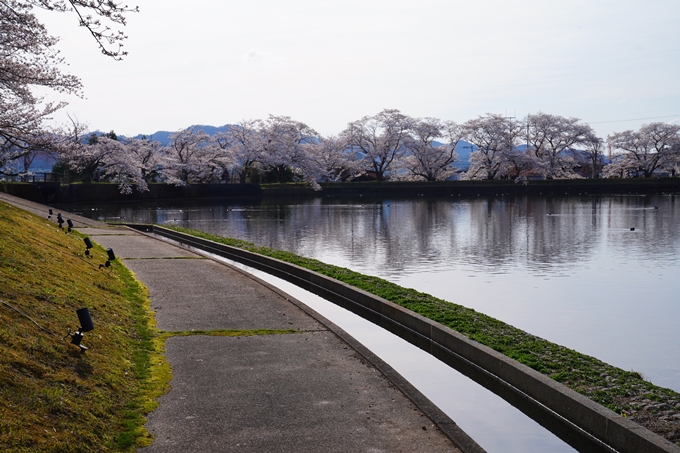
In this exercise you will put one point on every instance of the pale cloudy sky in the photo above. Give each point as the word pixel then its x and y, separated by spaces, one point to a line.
pixel 613 63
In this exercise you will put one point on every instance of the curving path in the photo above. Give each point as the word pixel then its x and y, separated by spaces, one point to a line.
pixel 313 390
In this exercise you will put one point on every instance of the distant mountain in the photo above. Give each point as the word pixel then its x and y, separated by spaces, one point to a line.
pixel 464 149
pixel 164 136
pixel 42 163
pixel 159 136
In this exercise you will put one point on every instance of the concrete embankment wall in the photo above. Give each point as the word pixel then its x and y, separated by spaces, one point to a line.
pixel 558 187
pixel 579 421
pixel 105 192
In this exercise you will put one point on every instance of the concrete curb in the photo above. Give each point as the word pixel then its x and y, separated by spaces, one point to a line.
pixel 579 421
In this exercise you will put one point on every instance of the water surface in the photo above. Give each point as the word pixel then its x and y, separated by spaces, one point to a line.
pixel 598 274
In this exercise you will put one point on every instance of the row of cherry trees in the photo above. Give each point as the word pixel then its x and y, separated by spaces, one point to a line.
pixel 551 146
pixel 276 149
pixel 388 145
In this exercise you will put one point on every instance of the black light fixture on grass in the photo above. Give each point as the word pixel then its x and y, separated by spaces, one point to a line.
pixel 70 224
pixel 111 256
pixel 60 220
pixel 85 326
pixel 49 216
pixel 88 246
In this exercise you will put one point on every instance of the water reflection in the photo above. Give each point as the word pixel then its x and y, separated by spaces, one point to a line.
pixel 597 274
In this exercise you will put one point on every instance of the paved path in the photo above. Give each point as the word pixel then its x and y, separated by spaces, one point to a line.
pixel 310 391
pixel 303 392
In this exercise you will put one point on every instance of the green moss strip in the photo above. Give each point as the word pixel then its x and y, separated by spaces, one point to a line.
pixel 227 333
pixel 625 392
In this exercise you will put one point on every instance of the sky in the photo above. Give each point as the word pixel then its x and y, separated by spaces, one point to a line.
pixel 614 64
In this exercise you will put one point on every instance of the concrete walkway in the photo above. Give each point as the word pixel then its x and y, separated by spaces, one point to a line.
pixel 316 390
pixel 303 392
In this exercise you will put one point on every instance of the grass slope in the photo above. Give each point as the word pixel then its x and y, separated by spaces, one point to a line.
pixel 53 398
pixel 625 392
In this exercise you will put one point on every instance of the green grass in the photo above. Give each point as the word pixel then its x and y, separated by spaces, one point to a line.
pixel 227 333
pixel 622 391
pixel 53 398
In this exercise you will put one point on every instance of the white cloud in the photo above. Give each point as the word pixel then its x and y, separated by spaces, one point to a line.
pixel 258 57
pixel 254 56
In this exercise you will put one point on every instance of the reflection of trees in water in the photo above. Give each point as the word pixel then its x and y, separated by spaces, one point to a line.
pixel 656 220
pixel 394 235
pixel 561 231
pixel 539 234
pixel 389 236
pixel 492 234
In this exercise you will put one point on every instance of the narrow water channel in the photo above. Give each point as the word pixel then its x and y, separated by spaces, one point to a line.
pixel 493 423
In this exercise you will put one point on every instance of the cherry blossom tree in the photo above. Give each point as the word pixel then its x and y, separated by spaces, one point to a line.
pixel 192 157
pixel 640 153
pixel 29 60
pixel 553 139
pixel 334 159
pixel 244 144
pixel 285 148
pixel 520 165
pixel 101 158
pixel 96 16
pixel 119 165
pixel 495 137
pixel 73 152
pixel 593 155
pixel 428 159
pixel 379 139
pixel 146 155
